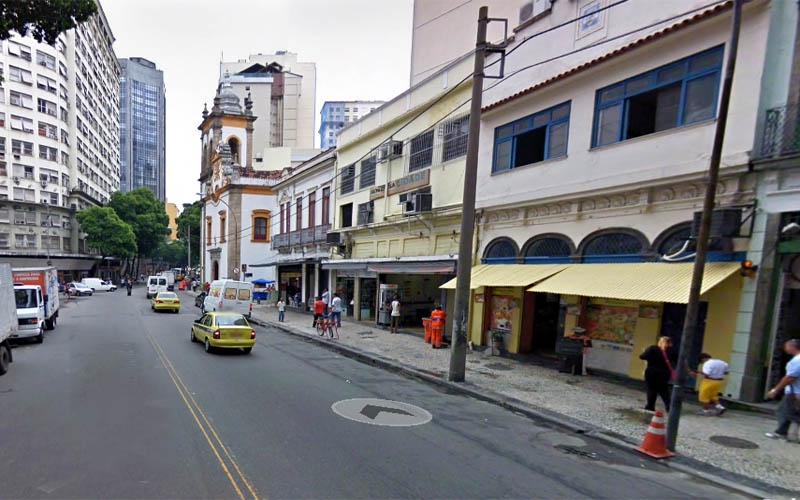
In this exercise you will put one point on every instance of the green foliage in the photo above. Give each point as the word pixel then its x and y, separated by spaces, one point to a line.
pixel 189 220
pixel 146 216
pixel 44 20
pixel 171 253
pixel 106 232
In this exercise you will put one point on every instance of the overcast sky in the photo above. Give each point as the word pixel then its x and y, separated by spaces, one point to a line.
pixel 362 49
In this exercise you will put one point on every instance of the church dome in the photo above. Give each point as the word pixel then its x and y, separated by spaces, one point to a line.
pixel 228 101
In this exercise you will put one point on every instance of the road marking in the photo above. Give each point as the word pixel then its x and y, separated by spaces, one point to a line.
pixel 381 412
pixel 194 409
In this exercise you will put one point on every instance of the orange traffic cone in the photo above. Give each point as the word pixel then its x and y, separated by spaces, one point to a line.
pixel 654 443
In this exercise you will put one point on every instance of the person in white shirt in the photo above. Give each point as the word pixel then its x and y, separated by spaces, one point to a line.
pixel 789 409
pixel 714 371
pixel 336 310
pixel 281 310
pixel 394 328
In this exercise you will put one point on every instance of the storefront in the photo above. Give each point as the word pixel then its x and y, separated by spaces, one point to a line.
pixel 290 280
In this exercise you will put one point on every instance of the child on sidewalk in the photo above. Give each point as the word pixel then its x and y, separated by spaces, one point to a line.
pixel 281 305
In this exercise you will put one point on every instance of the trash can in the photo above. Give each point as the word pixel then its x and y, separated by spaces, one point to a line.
pixel 570 355
pixel 426 325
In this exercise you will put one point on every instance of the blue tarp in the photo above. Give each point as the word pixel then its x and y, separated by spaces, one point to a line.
pixel 261 281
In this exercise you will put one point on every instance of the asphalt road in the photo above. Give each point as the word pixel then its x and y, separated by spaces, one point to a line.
pixel 117 403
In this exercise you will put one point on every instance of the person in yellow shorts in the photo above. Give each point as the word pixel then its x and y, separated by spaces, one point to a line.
pixel 711 384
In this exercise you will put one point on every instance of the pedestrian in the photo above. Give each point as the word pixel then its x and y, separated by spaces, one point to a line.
pixel 207 287
pixel 789 410
pixel 281 305
pixel 579 333
pixel 336 310
pixel 326 300
pixel 713 371
pixel 438 317
pixel 659 372
pixel 128 285
pixel 319 311
pixel 393 328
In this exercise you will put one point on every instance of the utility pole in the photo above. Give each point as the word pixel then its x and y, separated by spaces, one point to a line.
pixel 690 321
pixel 188 247
pixel 458 352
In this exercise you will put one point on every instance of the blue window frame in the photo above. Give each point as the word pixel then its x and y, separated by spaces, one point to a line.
pixel 532 139
pixel 670 96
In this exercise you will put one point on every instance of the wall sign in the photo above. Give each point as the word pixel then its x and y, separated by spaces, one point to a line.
pixel 413 180
pixel 377 192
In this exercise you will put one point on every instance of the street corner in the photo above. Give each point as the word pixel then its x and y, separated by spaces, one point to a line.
pixel 381 412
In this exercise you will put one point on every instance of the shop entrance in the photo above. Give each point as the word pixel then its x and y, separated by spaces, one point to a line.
pixel 418 294
pixel 290 278
pixel 787 326
pixel 672 326
pixel 345 287
pixel 368 298
pixel 546 307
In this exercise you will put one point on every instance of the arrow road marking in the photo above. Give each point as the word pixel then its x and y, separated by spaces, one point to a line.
pixel 372 411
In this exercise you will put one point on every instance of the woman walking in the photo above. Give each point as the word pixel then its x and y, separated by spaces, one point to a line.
pixel 659 372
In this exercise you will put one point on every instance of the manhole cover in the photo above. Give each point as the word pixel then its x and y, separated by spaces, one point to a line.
pixel 497 366
pixel 733 442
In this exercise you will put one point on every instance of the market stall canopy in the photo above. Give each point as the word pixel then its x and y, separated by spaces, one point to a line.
pixel 508 275
pixel 644 281
pixel 261 281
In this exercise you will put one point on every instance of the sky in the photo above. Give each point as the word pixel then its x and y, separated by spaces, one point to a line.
pixel 362 49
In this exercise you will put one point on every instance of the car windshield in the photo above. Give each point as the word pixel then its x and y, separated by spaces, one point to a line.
pixel 25 298
pixel 167 295
pixel 231 320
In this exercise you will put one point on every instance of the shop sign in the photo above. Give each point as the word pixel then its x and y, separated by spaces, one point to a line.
pixel 612 323
pixel 413 180
pixel 377 192
pixel 355 273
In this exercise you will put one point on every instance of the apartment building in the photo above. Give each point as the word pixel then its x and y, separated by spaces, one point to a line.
pixel 59 146
pixel 142 126
pixel 335 115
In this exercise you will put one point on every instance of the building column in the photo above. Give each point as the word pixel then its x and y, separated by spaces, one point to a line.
pixel 357 299
pixel 317 291
pixel 249 129
pixel 303 291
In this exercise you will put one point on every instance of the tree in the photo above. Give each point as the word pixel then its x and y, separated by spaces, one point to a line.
pixel 107 233
pixel 171 254
pixel 44 20
pixel 146 216
pixel 189 220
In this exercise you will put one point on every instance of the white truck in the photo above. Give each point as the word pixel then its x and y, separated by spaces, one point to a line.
pixel 36 295
pixel 170 275
pixel 8 315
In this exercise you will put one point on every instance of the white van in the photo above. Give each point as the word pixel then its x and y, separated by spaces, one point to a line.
pixel 156 284
pixel 98 285
pixel 229 295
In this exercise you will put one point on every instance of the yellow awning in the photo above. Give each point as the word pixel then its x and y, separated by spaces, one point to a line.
pixel 646 281
pixel 508 275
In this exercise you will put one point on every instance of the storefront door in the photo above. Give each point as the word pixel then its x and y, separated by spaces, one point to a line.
pixel 546 308
pixel 345 287
pixel 368 298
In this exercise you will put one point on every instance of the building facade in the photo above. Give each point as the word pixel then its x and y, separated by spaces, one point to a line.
pixel 172 212
pixel 305 203
pixel 336 114
pixel 142 126
pixel 59 144
pixel 398 196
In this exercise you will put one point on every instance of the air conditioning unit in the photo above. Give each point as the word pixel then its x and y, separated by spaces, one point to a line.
pixel 16 179
pixel 725 223
pixel 533 8
pixel 44 201
pixel 333 238
pixel 390 150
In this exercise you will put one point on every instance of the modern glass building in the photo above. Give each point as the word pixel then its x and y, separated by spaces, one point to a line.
pixel 142 124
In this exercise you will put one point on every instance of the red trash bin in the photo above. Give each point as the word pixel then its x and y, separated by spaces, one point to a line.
pixel 426 325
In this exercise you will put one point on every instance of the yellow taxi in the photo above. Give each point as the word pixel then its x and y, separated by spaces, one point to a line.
pixel 166 301
pixel 227 330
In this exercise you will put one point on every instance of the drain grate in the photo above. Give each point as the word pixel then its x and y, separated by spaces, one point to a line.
pixel 733 442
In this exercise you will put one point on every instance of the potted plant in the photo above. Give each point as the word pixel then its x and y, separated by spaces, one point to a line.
pixel 498 341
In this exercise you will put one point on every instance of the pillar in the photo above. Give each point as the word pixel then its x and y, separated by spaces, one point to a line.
pixel 303 291
pixel 357 299
pixel 317 291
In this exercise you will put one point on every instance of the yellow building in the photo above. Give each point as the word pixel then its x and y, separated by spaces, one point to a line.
pixel 172 211
pixel 398 192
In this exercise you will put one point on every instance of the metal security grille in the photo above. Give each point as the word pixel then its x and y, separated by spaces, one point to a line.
pixel 367 177
pixel 421 151
pixel 675 241
pixel 454 135
pixel 548 247
pixel 781 132
pixel 348 179
pixel 501 249
pixel 613 244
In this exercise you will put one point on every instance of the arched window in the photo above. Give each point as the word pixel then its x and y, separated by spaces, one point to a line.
pixel 673 239
pixel 233 143
pixel 501 251
pixel 552 248
pixel 614 246
pixel 260 220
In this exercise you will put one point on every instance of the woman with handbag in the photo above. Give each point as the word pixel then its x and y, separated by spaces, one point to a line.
pixel 659 372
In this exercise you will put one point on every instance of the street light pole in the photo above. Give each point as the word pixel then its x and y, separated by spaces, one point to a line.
pixel 692 307
pixel 458 352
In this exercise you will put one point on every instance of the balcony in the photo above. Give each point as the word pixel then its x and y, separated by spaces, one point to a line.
pixel 308 236
pixel 781 133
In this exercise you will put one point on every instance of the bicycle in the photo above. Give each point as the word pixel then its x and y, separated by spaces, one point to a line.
pixel 325 325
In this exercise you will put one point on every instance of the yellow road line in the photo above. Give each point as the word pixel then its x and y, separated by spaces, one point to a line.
pixel 166 364
pixel 210 426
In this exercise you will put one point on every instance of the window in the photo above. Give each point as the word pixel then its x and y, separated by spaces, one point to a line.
pixel 421 151
pixel 677 94
pixel 326 206
pixel 299 214
pixel 4 215
pixel 45 60
pixel 23 171
pixel 21 147
pixel 288 217
pixel 47 130
pixel 3 191
pixel 454 135
pixel 355 110
pixel 223 216
pixel 283 218
pixel 367 177
pixel 20 99
pixel 348 183
pixel 2 145
pixel 21 194
pixel 48 153
pixel 20 75
pixel 2 115
pixel 4 240
pixel 49 85
pixel 347 215
pixel 23 124
pixel 19 50
pixel 24 217
pixel 613 246
pixel 366 212
pixel 260 221
pixel 550 248
pixel 25 240
pixel 51 242
pixel 501 250
pixel 48 107
pixel 532 139
pixel 312 208
pixel 346 110
pixel 64 137
pixel 208 230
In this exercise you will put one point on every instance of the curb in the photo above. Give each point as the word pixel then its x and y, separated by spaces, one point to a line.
pixel 720 477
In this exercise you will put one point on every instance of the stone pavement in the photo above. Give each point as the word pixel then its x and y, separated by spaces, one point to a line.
pixel 611 406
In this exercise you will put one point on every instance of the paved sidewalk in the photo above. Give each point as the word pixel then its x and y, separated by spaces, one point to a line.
pixel 610 406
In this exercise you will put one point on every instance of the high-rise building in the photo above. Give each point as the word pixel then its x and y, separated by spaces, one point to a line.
pixel 336 115
pixel 59 142
pixel 142 126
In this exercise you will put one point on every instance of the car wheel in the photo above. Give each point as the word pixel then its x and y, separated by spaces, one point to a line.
pixel 5 356
pixel 247 350
pixel 207 346
pixel 40 338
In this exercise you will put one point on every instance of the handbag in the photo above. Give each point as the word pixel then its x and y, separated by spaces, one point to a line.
pixel 669 365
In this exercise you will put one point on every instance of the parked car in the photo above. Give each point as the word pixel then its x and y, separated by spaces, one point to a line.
pixel 110 284
pixel 225 330
pixel 166 301
pixel 79 289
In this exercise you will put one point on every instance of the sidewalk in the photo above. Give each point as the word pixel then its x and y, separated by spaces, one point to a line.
pixel 612 407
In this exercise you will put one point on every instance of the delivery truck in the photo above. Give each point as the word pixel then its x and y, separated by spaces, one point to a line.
pixel 170 280
pixel 36 293
pixel 8 315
